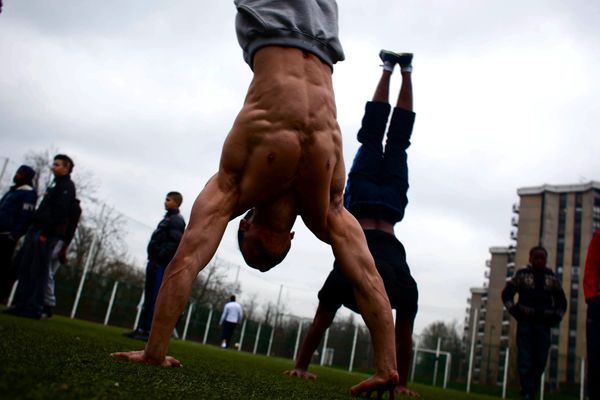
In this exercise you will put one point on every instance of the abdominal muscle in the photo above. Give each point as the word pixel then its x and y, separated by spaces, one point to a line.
pixel 286 138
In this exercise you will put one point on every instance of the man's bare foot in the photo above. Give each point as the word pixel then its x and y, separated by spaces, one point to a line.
pixel 140 356
pixel 404 391
pixel 377 383
pixel 300 373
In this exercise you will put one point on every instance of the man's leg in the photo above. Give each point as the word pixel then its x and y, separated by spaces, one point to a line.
pixel 525 358
pixel 541 347
pixel 228 328
pixel 53 264
pixel 593 348
pixel 149 298
pixel 395 166
pixel 364 174
pixel 7 272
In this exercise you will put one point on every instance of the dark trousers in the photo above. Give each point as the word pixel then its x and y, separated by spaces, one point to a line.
pixel 154 276
pixel 593 348
pixel 33 261
pixel 228 328
pixel 378 179
pixel 8 272
pixel 533 344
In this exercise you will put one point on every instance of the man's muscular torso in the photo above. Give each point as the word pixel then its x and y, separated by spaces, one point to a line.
pixel 286 143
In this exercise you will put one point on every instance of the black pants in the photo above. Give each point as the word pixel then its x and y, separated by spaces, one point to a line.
pixel 228 328
pixel 154 275
pixel 593 348
pixel 533 344
pixel 8 273
pixel 32 262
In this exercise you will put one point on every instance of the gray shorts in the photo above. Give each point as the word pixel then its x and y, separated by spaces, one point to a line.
pixel 310 25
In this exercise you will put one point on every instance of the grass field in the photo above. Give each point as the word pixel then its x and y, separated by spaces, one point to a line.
pixel 62 358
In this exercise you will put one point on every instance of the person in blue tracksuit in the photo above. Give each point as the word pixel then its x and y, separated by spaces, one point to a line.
pixel 16 210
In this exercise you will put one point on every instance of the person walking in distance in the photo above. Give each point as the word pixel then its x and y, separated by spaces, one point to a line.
pixel 230 317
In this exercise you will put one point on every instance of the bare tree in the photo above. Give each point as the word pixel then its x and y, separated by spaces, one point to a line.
pixel 210 287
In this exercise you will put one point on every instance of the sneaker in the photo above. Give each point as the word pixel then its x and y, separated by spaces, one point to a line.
pixel 388 57
pixel 405 59
pixel 47 312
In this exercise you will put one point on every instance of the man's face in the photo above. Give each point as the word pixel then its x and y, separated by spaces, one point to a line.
pixel 60 168
pixel 19 178
pixel 170 204
pixel 262 247
pixel 538 259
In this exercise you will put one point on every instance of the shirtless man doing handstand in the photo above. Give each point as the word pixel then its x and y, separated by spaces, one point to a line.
pixel 282 158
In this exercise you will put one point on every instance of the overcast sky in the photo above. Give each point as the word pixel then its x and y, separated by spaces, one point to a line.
pixel 142 94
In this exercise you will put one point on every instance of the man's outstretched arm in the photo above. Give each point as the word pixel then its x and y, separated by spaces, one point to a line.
pixel 210 214
pixel 322 321
pixel 350 250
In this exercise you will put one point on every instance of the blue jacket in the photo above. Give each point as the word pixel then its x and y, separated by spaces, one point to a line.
pixel 52 216
pixel 16 209
pixel 166 237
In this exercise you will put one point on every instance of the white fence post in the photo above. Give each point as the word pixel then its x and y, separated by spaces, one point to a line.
pixel 139 309
pixel 257 337
pixel 474 329
pixel 437 360
pixel 242 335
pixel 414 362
pixel 3 170
pixel 110 302
pixel 85 269
pixel 187 321
pixel 297 339
pixel 353 348
pixel 324 347
pixel 505 380
pixel 272 334
pixel 542 386
pixel 447 371
pixel 210 312
pixel 12 293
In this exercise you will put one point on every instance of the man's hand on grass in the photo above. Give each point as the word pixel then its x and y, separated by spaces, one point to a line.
pixel 300 373
pixel 140 356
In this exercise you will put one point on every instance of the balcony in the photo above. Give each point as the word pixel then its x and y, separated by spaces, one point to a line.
pixel 486 274
pixel 513 234
pixel 515 208
pixel 488 263
pixel 514 221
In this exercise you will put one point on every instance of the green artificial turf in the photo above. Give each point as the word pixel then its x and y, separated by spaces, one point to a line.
pixel 62 358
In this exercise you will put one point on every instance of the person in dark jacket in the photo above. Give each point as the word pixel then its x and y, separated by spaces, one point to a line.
pixel 161 249
pixel 542 304
pixel 16 210
pixel 49 226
